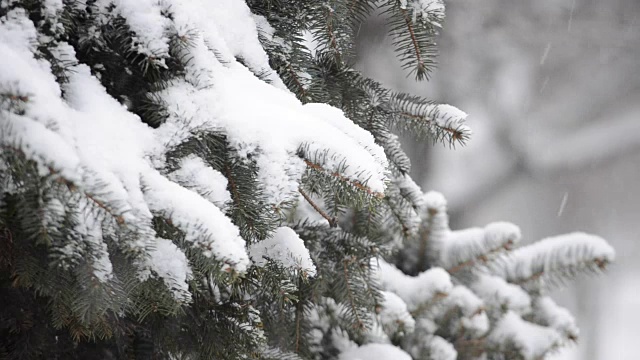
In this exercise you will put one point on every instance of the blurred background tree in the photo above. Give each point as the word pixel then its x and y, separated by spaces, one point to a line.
pixel 552 89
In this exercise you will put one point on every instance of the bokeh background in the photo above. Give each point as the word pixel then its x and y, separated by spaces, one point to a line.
pixel 552 88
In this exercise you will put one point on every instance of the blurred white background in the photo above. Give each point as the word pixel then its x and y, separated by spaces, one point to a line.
pixel 552 88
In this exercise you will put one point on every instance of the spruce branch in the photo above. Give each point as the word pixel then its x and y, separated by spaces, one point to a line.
pixel 555 260
pixel 73 188
pixel 450 133
pixel 423 118
pixel 332 36
pixel 99 203
pixel 413 37
pixel 357 184
pixel 420 67
pixel 482 259
pixel 359 323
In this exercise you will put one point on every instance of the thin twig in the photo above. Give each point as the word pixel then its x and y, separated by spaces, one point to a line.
pixel 332 220
pixel 414 40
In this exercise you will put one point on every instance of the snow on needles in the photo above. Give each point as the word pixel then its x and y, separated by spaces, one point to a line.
pixel 145 19
pixel 414 291
pixel 276 125
pixel 375 351
pixel 532 341
pixel 427 10
pixel 394 316
pixel 70 131
pixel 194 174
pixel 465 245
pixel 171 264
pixel 497 292
pixel 555 256
pixel 286 248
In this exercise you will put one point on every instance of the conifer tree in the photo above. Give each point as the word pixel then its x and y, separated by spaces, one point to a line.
pixel 193 179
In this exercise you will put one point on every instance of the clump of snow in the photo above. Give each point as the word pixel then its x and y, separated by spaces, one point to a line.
pixel 230 28
pixel 284 247
pixel 448 115
pixel 145 19
pixel 194 174
pixel 531 340
pixel 435 200
pixel 497 292
pixel 470 244
pixel 340 340
pixel 172 266
pixel 414 291
pixel 466 300
pixel 375 351
pixel 502 234
pixel 440 349
pixel 89 228
pixel 429 11
pixel 409 187
pixel 547 312
pixel 434 223
pixel 204 224
pixel 425 325
pixel 52 7
pixel 474 319
pixel 394 316
pixel 263 26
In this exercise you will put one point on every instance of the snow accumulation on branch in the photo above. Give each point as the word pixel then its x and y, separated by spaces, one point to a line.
pixel 495 290
pixel 427 10
pixel 530 340
pixel 462 248
pixel 375 351
pixel 547 312
pixel 91 141
pixel 414 291
pixel 394 315
pixel 286 248
pixel 555 259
